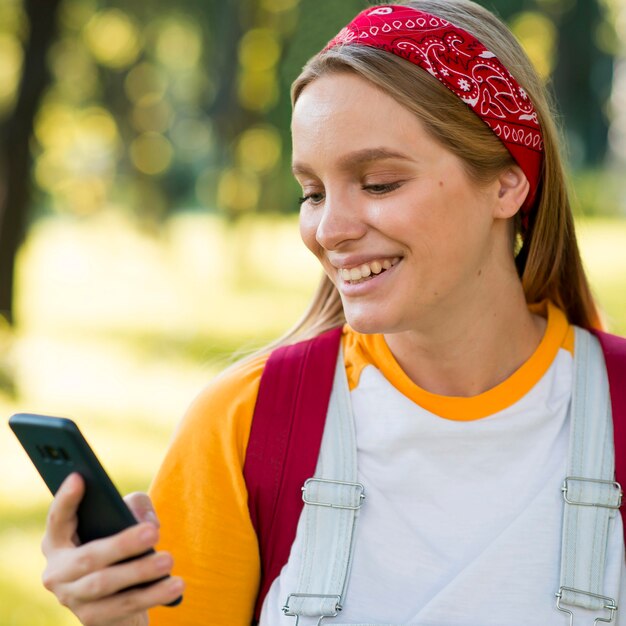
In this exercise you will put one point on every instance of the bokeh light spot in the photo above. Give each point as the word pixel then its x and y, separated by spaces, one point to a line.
pixel 193 87
pixel 81 196
pixel 151 153
pixel 152 114
pixel 145 79
pixel 538 36
pixel 258 91
pixel 179 44
pixel 259 149
pixel 52 123
pixel 259 50
pixel 78 158
pixel 238 191
pixel 99 122
pixel 113 38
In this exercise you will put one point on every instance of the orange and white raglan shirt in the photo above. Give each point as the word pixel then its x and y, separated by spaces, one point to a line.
pixel 462 521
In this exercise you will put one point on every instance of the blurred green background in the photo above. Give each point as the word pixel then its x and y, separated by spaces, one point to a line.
pixel 148 226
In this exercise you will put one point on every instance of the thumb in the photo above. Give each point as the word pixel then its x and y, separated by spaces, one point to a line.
pixel 141 506
pixel 62 520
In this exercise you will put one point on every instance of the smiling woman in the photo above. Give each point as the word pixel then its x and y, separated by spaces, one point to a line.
pixel 432 404
pixel 408 203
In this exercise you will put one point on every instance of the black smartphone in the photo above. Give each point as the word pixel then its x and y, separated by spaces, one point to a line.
pixel 57 448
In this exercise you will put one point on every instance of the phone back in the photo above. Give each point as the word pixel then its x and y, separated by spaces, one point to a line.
pixel 57 448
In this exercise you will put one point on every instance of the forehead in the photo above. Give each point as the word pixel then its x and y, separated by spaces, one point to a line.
pixel 342 112
pixel 351 106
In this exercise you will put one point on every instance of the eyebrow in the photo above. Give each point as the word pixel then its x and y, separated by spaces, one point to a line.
pixel 359 157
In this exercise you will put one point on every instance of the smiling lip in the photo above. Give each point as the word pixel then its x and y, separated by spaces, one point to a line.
pixel 365 272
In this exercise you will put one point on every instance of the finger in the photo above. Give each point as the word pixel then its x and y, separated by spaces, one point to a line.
pixel 62 521
pixel 67 565
pixel 130 603
pixel 141 506
pixel 102 553
pixel 116 578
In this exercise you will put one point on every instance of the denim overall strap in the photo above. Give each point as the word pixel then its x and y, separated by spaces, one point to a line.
pixel 332 502
pixel 591 495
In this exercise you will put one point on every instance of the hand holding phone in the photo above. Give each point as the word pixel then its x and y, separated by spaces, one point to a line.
pixel 58 449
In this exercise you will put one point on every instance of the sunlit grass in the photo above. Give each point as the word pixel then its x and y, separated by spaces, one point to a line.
pixel 120 329
pixel 21 601
pixel 603 245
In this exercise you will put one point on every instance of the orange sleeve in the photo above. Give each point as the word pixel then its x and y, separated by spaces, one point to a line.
pixel 201 500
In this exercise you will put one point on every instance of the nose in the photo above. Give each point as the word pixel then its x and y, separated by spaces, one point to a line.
pixel 341 221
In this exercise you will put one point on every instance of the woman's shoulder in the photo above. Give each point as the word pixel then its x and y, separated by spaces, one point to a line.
pixel 224 408
pixel 217 422
pixel 238 384
pixel 227 402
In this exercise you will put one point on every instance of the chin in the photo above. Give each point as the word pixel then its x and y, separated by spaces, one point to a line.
pixel 368 324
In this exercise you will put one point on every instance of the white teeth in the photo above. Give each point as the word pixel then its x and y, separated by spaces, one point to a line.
pixel 356 274
pixel 376 266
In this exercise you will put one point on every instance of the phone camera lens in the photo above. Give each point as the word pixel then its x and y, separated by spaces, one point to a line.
pixel 57 455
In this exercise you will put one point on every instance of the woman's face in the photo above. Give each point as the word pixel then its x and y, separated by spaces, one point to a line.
pixel 390 213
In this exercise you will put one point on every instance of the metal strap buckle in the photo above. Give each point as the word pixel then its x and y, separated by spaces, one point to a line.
pixel 358 494
pixel 609 605
pixel 596 481
pixel 287 610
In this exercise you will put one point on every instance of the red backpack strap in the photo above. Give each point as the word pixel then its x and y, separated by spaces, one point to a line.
pixel 285 440
pixel 614 349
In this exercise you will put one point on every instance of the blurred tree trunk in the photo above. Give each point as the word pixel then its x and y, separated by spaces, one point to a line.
pixel 15 137
pixel 232 20
pixel 582 81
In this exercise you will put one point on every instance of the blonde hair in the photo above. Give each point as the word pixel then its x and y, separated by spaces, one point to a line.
pixel 549 262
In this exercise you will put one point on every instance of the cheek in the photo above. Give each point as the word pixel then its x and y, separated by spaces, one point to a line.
pixel 308 230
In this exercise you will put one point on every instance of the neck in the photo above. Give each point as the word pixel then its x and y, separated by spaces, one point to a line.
pixel 467 350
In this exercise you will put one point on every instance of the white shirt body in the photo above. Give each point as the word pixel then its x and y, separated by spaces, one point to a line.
pixel 461 525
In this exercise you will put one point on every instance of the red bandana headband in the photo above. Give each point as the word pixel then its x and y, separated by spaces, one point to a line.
pixel 461 63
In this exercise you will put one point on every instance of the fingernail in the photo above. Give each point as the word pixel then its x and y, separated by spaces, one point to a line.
pixel 148 533
pixel 71 482
pixel 163 561
pixel 175 584
pixel 150 516
pixel 70 478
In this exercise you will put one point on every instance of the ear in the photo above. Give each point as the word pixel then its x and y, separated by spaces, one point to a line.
pixel 512 188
